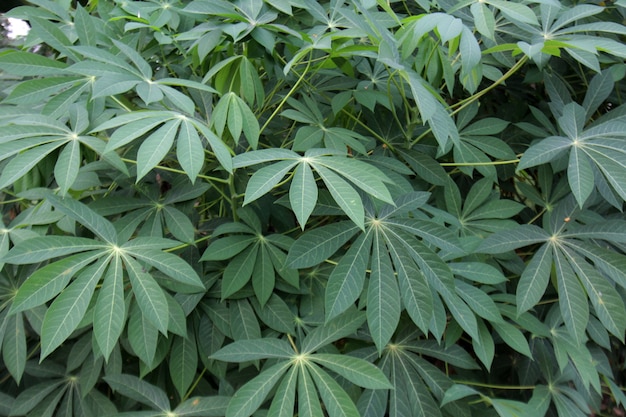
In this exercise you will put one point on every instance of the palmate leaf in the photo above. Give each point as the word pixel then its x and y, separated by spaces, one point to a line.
pixel 148 294
pixel 110 310
pixel 339 174
pixel 139 390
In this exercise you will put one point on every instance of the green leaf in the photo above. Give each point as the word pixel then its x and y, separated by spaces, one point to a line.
pixel 227 247
pixel 355 370
pixel 252 394
pixel 148 294
pixel 253 349
pixel 85 216
pixel 265 179
pixel 24 162
pixel 341 326
pixel 515 11
pixel 189 150
pixel 481 303
pixel 544 151
pixel 478 272
pixel 345 283
pixel 518 237
pixel 456 392
pixel 66 312
pixel 343 193
pixel 319 244
pixel 483 19
pixel 178 224
pixel 264 279
pixel 309 404
pixel 142 335
pixel 139 390
pixel 155 147
pixel 183 361
pixel 171 265
pixel 110 309
pixel 513 337
pixel 383 296
pixel 66 168
pixel 285 396
pixel 47 282
pixel 276 314
pixel 336 400
pixel 572 300
pixel 606 301
pixel 580 175
pixel 303 193
pixel 30 64
pixel 454 354
pixel 42 248
pixel 214 406
pixel 239 270
pixel 534 280
pixel 14 346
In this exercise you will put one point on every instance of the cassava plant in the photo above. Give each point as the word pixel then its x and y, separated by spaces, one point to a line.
pixel 404 208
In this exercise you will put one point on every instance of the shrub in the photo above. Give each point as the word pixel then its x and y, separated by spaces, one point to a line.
pixel 290 207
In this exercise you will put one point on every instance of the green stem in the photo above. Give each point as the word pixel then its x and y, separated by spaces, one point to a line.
pixel 289 94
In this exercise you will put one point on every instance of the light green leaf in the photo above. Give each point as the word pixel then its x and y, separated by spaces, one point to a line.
pixel 253 349
pixel 155 147
pixel 139 390
pixel 148 294
pixel 252 394
pixel 303 193
pixel 66 312
pixel 484 346
pixel 276 314
pixel 355 370
pixel 183 361
pixel 110 310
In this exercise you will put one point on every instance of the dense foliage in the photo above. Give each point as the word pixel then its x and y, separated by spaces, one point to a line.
pixel 291 207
